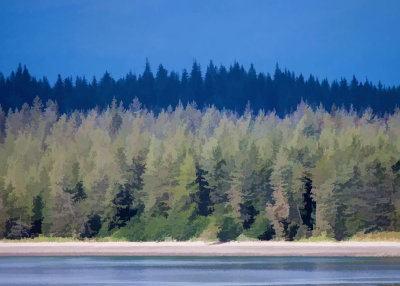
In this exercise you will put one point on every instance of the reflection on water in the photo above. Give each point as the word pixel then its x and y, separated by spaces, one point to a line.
pixel 198 271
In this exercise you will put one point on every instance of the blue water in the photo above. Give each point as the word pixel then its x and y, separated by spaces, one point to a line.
pixel 198 271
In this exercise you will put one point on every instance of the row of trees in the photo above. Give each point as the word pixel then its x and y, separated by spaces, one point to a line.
pixel 187 173
pixel 231 88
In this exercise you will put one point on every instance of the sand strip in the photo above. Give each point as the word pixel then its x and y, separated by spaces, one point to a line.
pixel 267 248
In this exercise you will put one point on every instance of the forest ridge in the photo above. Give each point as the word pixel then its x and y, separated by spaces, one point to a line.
pixel 230 88
pixel 185 172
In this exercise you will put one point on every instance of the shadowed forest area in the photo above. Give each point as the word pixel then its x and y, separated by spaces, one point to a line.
pixel 226 88
pixel 182 173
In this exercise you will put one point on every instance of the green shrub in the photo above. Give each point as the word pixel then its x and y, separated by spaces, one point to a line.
pixel 133 231
pixel 261 228
pixel 229 229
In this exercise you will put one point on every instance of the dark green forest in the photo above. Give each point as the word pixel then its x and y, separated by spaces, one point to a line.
pixel 183 172
pixel 230 88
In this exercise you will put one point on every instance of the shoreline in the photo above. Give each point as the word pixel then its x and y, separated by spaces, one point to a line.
pixel 199 248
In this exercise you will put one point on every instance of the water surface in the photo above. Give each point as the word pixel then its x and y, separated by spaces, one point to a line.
pixel 198 271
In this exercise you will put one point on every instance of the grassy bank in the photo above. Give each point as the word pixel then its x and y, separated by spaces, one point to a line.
pixel 62 239
pixel 365 237
pixel 360 237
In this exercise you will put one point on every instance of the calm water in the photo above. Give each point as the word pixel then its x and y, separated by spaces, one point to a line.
pixel 198 271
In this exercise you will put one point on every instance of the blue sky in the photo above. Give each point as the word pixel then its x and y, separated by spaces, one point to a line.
pixel 327 38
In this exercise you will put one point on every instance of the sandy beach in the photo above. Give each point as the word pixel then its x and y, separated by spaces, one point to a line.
pixel 262 248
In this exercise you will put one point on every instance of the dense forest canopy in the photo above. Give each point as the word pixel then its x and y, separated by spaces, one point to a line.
pixel 231 88
pixel 184 172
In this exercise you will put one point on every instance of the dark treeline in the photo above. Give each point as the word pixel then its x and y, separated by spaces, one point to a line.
pixel 230 88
